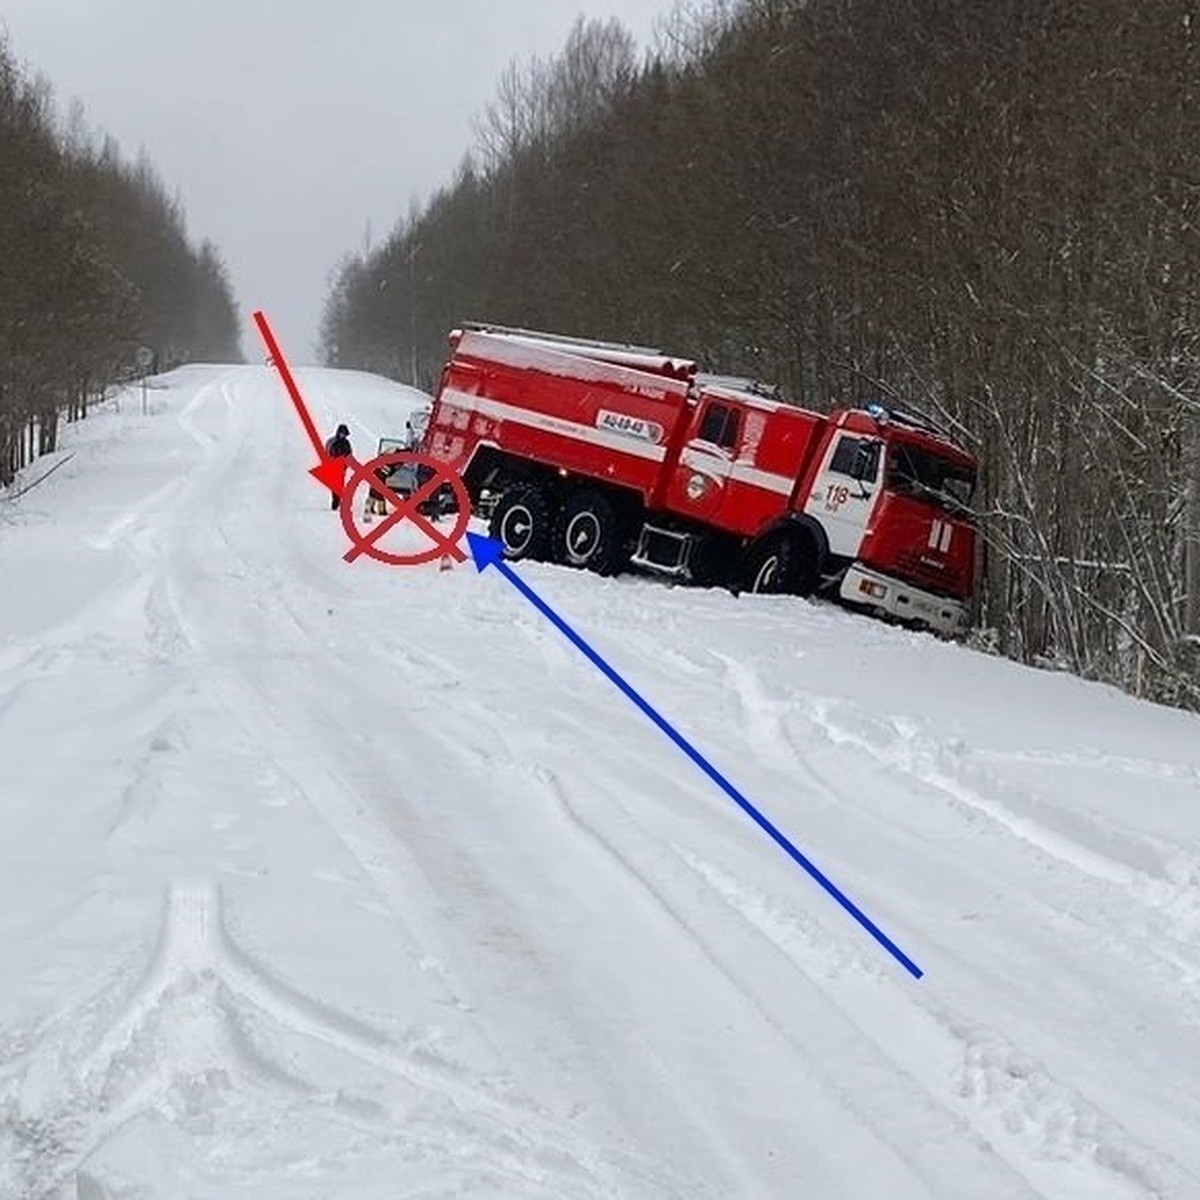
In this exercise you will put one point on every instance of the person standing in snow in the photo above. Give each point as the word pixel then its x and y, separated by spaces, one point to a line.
pixel 338 446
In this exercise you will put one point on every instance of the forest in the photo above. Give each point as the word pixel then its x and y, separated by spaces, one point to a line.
pixel 95 264
pixel 987 210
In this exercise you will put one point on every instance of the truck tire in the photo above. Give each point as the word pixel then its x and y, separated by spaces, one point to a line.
pixel 711 563
pixel 521 522
pixel 590 534
pixel 780 565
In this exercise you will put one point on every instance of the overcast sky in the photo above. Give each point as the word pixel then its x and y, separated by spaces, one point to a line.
pixel 288 127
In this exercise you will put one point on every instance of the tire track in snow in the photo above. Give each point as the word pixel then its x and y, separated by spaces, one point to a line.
pixel 200 987
pixel 1012 1096
pixel 1015 1105
pixel 137 531
pixel 431 666
pixel 1047 1132
pixel 1028 1116
pixel 369 842
pixel 905 746
pixel 929 1146
pixel 184 1026
pixel 372 845
pixel 196 944
pixel 902 746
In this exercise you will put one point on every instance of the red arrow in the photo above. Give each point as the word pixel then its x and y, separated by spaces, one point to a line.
pixel 329 471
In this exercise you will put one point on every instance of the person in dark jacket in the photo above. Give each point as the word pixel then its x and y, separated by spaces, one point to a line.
pixel 338 446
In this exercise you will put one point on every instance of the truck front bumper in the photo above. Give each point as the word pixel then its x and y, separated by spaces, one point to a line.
pixel 889 596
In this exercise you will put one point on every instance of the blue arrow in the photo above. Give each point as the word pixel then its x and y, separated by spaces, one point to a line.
pixel 488 552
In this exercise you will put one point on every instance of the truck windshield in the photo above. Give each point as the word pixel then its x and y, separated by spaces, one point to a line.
pixel 915 471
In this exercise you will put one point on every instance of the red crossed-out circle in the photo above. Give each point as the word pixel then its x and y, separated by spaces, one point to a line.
pixel 404 509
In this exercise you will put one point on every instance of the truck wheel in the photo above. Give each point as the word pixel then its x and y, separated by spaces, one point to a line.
pixel 590 534
pixel 709 562
pixel 521 522
pixel 779 566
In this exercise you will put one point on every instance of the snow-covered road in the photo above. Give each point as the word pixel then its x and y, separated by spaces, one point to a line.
pixel 329 880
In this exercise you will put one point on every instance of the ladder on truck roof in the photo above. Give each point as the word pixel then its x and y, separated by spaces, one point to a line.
pixel 637 357
pixel 559 338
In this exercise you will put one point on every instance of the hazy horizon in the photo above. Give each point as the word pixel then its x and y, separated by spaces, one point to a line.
pixel 291 144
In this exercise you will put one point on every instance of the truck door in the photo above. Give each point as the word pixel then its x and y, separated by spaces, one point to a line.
pixel 701 481
pixel 845 489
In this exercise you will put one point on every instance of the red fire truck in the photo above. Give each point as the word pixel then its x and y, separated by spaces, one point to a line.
pixel 604 456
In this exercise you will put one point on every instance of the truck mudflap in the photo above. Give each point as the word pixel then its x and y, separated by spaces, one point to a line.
pixel 881 593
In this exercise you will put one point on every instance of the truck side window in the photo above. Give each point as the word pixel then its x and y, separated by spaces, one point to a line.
pixel 856 457
pixel 719 426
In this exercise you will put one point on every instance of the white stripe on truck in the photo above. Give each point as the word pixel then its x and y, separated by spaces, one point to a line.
pixel 500 411
pixel 611 440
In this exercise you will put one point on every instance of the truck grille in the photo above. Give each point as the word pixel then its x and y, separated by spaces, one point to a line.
pixel 931 576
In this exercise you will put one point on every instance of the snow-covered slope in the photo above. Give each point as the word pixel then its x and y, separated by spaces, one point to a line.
pixel 331 880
